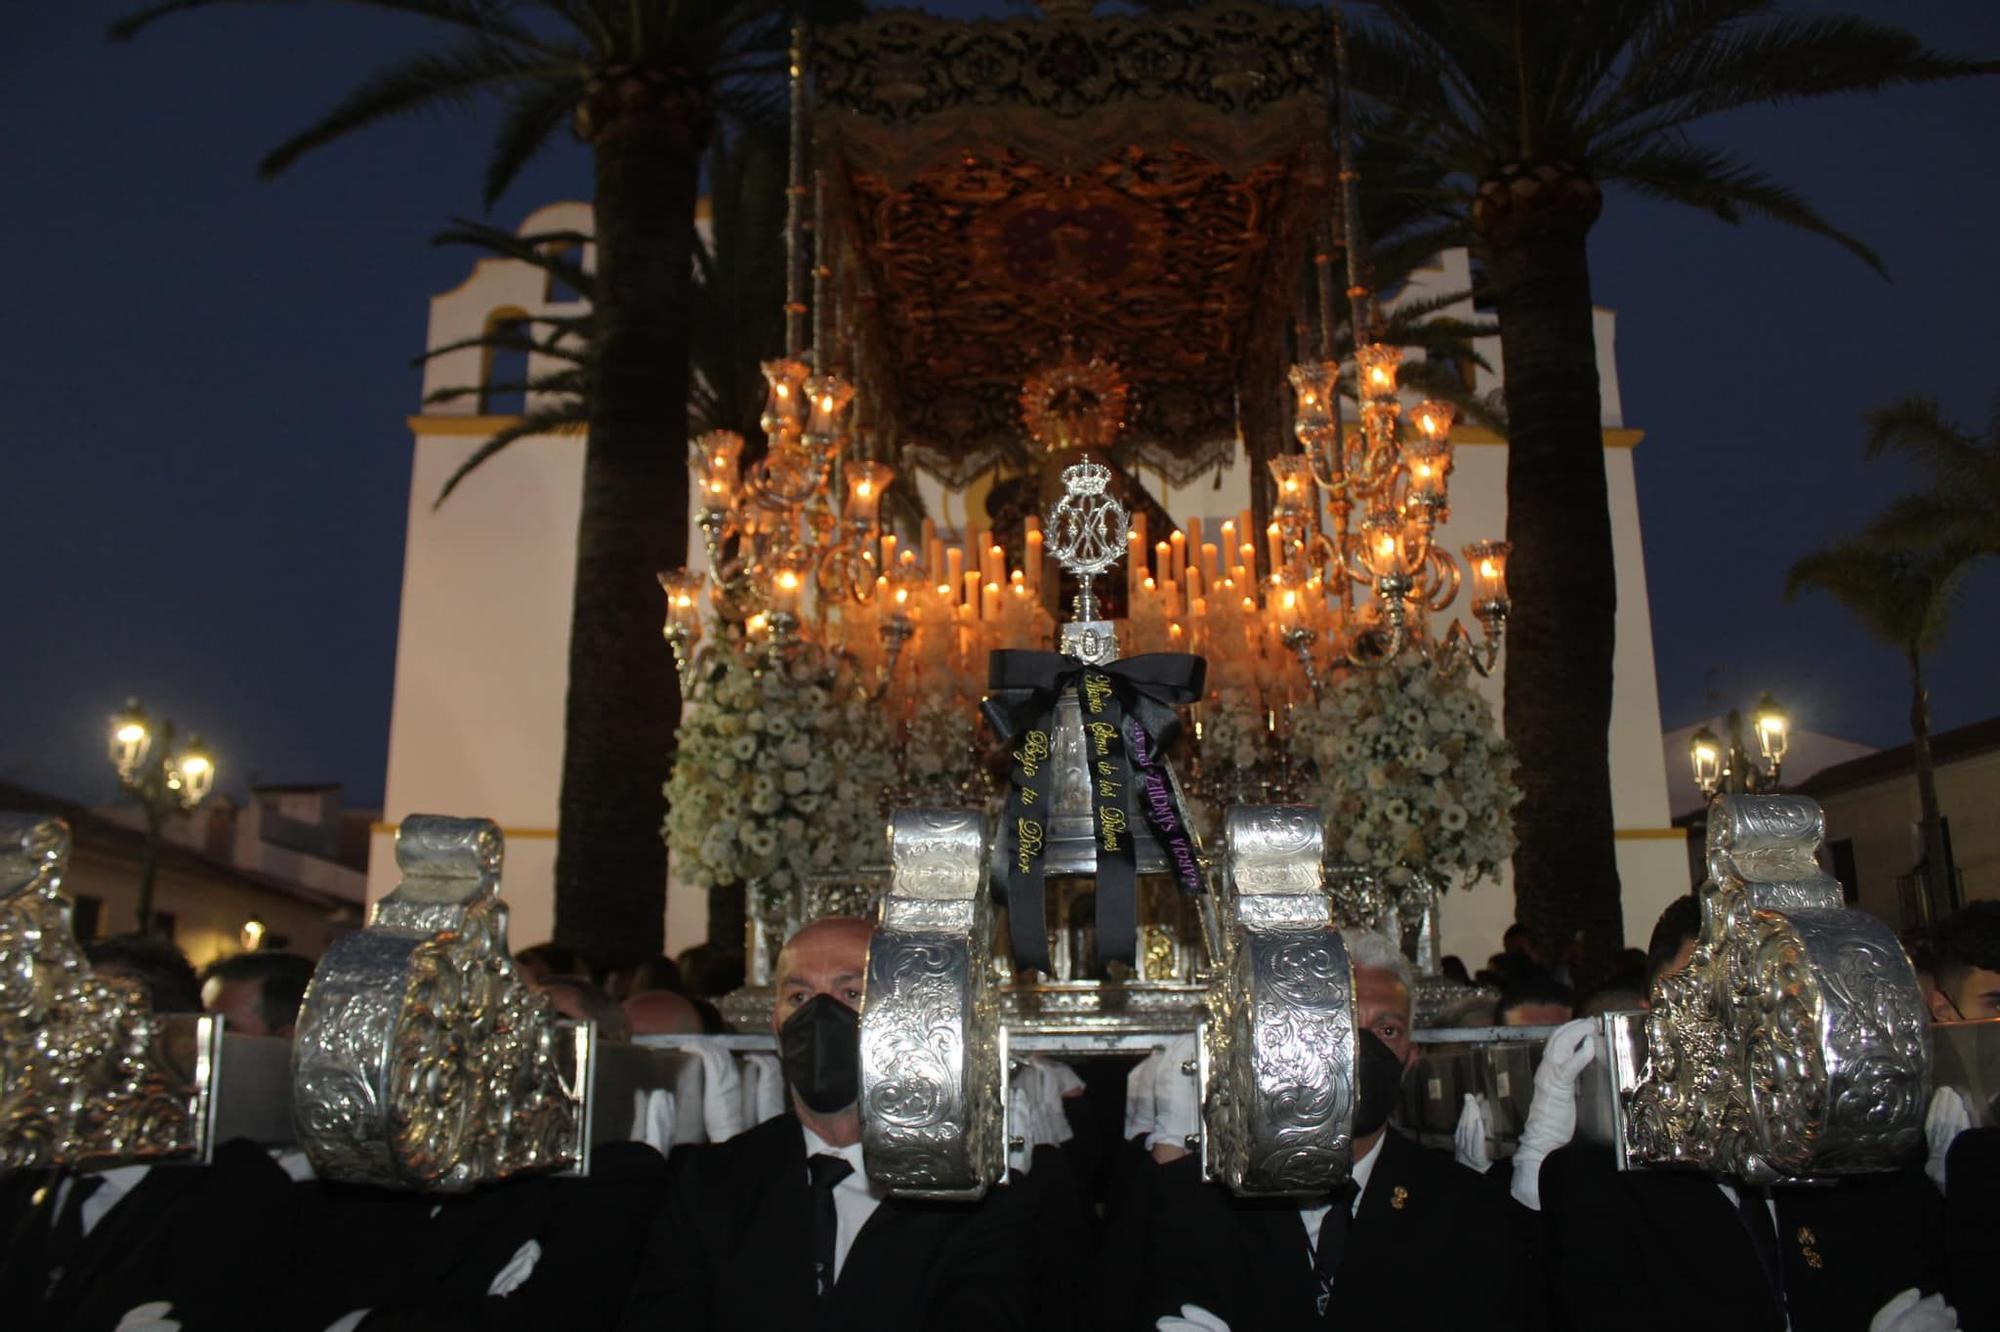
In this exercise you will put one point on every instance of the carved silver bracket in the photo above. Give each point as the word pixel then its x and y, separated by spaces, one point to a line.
pixel 89 1074
pixel 932 1064
pixel 1794 1044
pixel 1279 1048
pixel 423 1059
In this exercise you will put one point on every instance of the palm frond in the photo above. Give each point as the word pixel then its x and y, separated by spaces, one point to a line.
pixel 416 83
pixel 534 113
pixel 477 16
pixel 1722 185
pixel 566 419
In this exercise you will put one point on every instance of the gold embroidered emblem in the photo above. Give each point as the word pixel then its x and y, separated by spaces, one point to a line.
pixel 1806 1241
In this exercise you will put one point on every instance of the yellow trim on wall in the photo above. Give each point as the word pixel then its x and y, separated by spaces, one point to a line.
pixel 520 834
pixel 469 425
pixel 1652 834
pixel 1615 437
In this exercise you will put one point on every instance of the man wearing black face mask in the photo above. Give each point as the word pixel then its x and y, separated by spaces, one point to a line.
pixel 1414 1240
pixel 781 1226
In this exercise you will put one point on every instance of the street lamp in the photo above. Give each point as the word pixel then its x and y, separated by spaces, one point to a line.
pixel 163 777
pixel 1726 767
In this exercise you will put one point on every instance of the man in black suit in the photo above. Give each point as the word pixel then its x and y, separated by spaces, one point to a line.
pixel 79 1250
pixel 1416 1240
pixel 780 1227
pixel 537 1252
pixel 1658 1249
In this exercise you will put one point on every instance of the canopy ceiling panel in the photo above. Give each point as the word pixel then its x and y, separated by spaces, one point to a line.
pixel 1001 194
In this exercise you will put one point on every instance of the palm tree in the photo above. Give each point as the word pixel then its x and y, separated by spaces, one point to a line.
pixel 1527 111
pixel 736 307
pixel 643 82
pixel 1904 593
pixel 1964 495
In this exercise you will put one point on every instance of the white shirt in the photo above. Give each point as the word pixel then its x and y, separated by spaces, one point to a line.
pixel 1315 1216
pixel 114 1185
pixel 854 1198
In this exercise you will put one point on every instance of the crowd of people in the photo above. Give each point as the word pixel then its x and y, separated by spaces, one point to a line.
pixel 1105 1220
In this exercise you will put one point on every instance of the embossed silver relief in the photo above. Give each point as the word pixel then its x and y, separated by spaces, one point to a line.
pixel 1279 1062
pixel 931 1100
pixel 423 1059
pixel 87 1072
pixel 1794 1043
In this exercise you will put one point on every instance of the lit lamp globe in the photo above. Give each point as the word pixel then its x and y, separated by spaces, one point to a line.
pixel 1705 757
pixel 131 741
pixel 1774 731
pixel 191 772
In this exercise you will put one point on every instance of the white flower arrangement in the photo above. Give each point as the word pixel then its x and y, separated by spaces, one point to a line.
pixel 1408 768
pixel 780 771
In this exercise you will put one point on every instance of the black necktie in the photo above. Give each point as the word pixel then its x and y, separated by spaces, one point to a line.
pixel 1332 1240
pixel 66 1229
pixel 827 1170
pixel 1755 1214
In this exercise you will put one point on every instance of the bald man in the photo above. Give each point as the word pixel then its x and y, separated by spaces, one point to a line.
pixel 780 1226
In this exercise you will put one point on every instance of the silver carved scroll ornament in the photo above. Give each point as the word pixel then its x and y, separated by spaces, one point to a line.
pixel 1279 1051
pixel 423 1058
pixel 85 1072
pixel 1794 1044
pixel 933 1065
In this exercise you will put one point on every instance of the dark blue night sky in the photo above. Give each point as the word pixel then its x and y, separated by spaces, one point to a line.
pixel 206 377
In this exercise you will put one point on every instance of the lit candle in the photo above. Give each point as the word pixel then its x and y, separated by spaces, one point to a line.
pixel 1194 581
pixel 954 566
pixel 972 591
pixel 785 588
pixel 1139 527
pixel 1228 535
pixel 934 568
pixel 1276 543
pixel 1163 561
pixel 1211 561
pixel 888 550
pixel 996 559
pixel 989 605
pixel 1179 540
pixel 1034 558
pixel 1174 635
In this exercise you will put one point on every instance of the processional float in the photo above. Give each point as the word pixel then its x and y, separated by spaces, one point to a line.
pixel 999 205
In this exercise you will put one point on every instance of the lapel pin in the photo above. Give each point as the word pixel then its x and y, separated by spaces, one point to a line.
pixel 1806 1241
pixel 1398 1196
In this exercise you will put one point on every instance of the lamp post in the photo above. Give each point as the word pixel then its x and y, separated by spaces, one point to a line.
pixel 164 777
pixel 1727 767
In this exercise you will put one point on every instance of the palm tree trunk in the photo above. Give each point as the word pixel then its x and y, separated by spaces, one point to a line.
pixel 1938 896
pixel 1561 572
pixel 624 699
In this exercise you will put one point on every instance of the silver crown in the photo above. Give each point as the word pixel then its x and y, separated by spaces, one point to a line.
pixel 1086 478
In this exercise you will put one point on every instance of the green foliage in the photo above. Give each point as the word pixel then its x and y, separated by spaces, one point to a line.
pixel 1613 87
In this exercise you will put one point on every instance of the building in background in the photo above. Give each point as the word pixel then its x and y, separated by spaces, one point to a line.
pixel 287 870
pixel 482 648
pixel 1872 839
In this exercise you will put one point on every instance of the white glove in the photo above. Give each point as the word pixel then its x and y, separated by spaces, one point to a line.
pixel 1141 1112
pixel 150 1317
pixel 764 1080
pixel 1194 1318
pixel 721 1093
pixel 1468 1140
pixel 1034 1108
pixel 1945 1120
pixel 1176 1099
pixel 653 1119
pixel 1552 1109
pixel 1909 1313
pixel 517 1271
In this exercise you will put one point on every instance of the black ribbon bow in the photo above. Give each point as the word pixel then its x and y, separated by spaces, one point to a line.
pixel 1129 721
